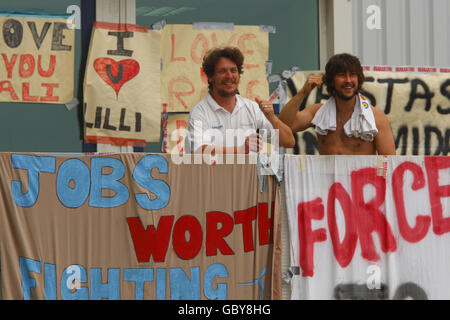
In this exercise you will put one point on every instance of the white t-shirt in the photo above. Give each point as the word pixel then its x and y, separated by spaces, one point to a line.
pixel 209 123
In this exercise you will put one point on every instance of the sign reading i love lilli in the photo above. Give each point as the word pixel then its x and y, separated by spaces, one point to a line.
pixel 122 85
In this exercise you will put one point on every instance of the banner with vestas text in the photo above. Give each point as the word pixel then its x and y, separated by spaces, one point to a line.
pixel 417 105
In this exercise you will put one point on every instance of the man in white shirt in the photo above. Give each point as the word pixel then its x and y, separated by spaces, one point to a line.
pixel 224 122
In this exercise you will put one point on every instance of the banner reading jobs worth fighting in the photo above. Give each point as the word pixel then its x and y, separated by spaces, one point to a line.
pixel 37 55
pixel 368 227
pixel 135 226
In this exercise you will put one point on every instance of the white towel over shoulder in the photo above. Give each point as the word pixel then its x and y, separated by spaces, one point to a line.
pixel 360 125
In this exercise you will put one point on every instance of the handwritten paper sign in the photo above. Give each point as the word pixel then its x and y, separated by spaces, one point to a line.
pixel 122 85
pixel 37 60
pixel 183 83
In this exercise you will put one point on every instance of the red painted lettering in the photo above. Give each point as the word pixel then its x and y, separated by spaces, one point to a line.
pixel 308 211
pixel 214 235
pixel 265 223
pixel 370 217
pixel 187 249
pixel 205 45
pixel 342 251
pixel 246 218
pixel 172 56
pixel 28 61
pixel 50 69
pixel 422 222
pixel 150 242
pixel 242 46
pixel 250 86
pixel 179 94
pixel 181 124
pixel 8 88
pixel 9 64
pixel 49 92
pixel 433 164
pixel 26 93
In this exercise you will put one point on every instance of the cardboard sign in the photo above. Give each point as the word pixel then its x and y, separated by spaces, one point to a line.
pixel 417 106
pixel 136 226
pixel 122 85
pixel 183 82
pixel 369 227
pixel 37 59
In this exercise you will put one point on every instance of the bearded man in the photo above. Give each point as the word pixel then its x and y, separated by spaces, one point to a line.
pixel 346 123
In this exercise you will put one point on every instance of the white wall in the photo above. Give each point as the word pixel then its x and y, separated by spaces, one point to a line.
pixel 402 32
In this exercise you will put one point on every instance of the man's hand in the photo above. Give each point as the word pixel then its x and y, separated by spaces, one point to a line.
pixel 252 143
pixel 313 81
pixel 266 107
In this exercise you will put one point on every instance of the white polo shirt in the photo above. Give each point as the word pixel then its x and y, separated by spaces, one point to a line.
pixel 209 123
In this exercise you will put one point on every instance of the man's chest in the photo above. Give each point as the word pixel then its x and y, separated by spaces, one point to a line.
pixel 337 142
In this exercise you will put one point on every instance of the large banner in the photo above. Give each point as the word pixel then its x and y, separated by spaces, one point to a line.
pixel 122 85
pixel 37 55
pixel 417 105
pixel 183 83
pixel 368 227
pixel 136 226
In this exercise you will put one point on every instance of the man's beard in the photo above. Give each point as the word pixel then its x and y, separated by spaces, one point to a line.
pixel 226 94
pixel 345 98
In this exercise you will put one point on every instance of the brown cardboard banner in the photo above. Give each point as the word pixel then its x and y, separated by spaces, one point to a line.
pixel 136 226
pixel 37 55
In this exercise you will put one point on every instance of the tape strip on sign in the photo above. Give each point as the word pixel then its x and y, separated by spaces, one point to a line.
pixel 164 125
pixel 72 104
pixel 213 25
pixel 268 66
pixel 414 69
pixel 158 25
pixel 382 166
pixel 268 29
pixel 34 14
pixel 292 271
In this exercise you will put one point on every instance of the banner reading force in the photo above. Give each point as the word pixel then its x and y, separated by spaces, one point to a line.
pixel 368 227
pixel 38 60
pixel 125 227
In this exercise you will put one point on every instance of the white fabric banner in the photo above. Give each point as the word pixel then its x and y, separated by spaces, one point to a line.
pixel 369 227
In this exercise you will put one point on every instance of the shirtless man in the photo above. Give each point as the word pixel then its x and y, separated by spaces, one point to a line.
pixel 344 78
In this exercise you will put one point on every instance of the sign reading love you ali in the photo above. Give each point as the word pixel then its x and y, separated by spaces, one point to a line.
pixel 122 85
pixel 37 59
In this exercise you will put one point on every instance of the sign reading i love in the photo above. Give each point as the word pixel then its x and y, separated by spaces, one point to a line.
pixel 122 86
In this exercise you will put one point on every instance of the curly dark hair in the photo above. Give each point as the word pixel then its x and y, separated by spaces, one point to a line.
pixel 342 62
pixel 212 57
